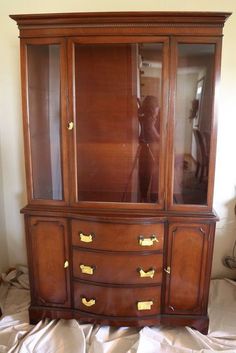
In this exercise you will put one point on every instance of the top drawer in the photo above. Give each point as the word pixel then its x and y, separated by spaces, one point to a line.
pixel 117 236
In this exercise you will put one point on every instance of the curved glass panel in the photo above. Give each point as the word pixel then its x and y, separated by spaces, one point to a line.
pixel 193 120
pixel 118 97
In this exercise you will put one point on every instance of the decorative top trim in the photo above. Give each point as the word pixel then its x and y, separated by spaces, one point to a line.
pixel 96 19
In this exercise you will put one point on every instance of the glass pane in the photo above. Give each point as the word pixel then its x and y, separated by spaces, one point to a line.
pixel 44 120
pixel 118 96
pixel 193 119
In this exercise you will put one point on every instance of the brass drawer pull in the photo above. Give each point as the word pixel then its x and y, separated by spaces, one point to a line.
pixel 90 302
pixel 86 238
pixel 88 270
pixel 145 305
pixel 147 241
pixel 149 273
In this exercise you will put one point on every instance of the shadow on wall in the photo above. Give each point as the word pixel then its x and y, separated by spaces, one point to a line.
pixel 225 250
pixel 4 262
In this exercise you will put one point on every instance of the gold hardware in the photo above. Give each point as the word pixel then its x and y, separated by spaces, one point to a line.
pixel 167 270
pixel 66 264
pixel 86 238
pixel 86 269
pixel 70 125
pixel 86 302
pixel 149 273
pixel 147 241
pixel 171 307
pixel 145 305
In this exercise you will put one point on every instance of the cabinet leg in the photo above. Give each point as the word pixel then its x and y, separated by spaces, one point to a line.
pixel 201 325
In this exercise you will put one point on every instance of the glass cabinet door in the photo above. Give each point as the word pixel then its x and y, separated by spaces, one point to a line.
pixel 118 113
pixel 193 117
pixel 44 111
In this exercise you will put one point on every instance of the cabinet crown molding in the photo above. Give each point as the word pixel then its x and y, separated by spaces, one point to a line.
pixel 122 18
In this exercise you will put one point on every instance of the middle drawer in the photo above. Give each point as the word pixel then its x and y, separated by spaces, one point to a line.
pixel 130 268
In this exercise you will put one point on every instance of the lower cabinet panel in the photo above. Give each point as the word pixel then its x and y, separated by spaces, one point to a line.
pixel 48 253
pixel 188 268
pixel 167 286
pixel 117 301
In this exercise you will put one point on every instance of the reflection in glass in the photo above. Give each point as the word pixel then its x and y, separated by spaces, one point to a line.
pixel 118 96
pixel 193 119
pixel 44 120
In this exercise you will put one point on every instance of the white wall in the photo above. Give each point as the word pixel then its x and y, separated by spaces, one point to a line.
pixel 11 149
pixel 186 87
pixel 3 240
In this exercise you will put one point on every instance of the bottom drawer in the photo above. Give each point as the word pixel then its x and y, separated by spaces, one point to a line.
pixel 116 301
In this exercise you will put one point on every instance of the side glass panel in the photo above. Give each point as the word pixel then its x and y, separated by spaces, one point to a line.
pixel 193 119
pixel 118 97
pixel 44 108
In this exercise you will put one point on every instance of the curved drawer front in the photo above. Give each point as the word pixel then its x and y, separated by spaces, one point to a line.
pixel 115 301
pixel 117 268
pixel 117 236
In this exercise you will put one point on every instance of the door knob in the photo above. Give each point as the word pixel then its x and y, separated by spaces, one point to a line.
pixel 70 125
pixel 167 270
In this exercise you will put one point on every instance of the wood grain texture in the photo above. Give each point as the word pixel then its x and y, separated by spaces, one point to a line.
pixel 197 322
pixel 182 256
pixel 187 260
pixel 121 23
pixel 49 248
pixel 124 236
pixel 117 268
pixel 39 122
pixel 116 301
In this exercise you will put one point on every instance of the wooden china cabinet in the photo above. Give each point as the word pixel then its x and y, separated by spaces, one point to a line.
pixel 119 114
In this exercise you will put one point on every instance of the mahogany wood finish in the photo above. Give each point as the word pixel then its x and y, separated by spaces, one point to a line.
pixel 34 42
pixel 101 233
pixel 187 259
pixel 124 300
pixel 151 252
pixel 120 268
pixel 104 76
pixel 49 243
pixel 38 67
pixel 217 41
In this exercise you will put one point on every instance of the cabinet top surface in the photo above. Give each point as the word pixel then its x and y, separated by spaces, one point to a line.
pixel 123 17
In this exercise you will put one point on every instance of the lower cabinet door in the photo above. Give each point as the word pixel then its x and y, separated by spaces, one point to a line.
pixel 188 267
pixel 48 261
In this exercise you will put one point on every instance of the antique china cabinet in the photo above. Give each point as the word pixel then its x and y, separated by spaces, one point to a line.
pixel 119 114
